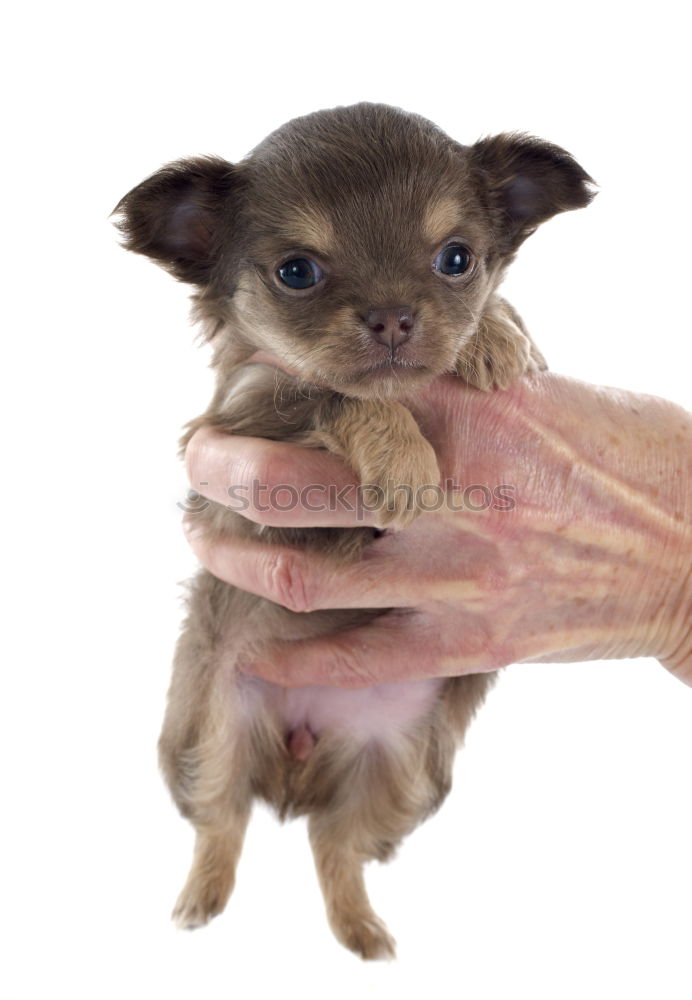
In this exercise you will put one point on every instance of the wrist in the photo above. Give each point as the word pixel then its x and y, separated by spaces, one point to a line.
pixel 659 590
pixel 676 653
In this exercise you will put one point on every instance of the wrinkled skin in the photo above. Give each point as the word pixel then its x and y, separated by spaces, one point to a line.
pixel 593 562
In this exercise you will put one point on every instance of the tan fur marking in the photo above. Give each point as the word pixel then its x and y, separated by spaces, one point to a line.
pixel 441 220
pixel 311 228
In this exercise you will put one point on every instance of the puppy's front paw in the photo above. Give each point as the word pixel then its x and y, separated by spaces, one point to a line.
pixel 383 444
pixel 395 489
pixel 500 351
pixel 494 362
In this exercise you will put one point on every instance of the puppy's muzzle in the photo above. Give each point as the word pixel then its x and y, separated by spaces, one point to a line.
pixel 391 326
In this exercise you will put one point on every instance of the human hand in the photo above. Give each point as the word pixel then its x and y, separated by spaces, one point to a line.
pixel 592 561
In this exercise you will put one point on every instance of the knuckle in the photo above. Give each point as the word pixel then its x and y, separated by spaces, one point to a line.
pixel 286 583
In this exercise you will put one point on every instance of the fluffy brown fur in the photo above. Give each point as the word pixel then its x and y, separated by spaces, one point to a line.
pixel 372 196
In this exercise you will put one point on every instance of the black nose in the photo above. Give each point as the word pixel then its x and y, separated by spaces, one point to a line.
pixel 391 326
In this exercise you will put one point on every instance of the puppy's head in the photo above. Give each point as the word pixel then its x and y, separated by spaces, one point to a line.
pixel 359 245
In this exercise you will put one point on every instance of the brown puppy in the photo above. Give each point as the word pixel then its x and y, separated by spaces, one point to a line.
pixel 363 247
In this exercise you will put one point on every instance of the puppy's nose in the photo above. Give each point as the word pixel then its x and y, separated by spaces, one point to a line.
pixel 391 326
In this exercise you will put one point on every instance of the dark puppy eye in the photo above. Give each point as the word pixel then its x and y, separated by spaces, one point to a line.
pixel 300 273
pixel 453 260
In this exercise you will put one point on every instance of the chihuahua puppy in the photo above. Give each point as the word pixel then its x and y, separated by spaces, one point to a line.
pixel 363 248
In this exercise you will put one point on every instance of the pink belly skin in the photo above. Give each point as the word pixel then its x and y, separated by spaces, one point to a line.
pixel 374 714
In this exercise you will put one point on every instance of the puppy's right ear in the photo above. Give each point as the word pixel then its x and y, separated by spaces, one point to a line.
pixel 178 215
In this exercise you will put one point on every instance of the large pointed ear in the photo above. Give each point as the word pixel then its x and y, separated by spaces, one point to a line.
pixel 179 215
pixel 525 181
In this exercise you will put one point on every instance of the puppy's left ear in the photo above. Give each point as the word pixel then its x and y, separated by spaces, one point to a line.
pixel 525 181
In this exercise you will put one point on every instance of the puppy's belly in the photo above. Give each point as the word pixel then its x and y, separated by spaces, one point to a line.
pixel 379 713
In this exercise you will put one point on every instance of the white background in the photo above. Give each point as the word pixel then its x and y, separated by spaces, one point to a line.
pixel 560 866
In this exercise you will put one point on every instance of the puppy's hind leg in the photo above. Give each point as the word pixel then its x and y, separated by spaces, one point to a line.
pixel 218 800
pixel 339 865
pixel 371 800
pixel 204 748
pixel 212 875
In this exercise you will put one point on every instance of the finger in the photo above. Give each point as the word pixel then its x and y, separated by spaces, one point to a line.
pixel 302 580
pixel 274 483
pixel 395 648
